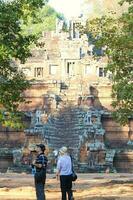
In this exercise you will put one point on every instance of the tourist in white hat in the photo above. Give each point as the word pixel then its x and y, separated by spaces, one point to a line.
pixel 64 170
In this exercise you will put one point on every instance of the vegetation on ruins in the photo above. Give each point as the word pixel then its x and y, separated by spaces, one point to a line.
pixel 115 36
pixel 14 47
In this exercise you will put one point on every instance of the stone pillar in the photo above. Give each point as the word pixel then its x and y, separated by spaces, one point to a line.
pixel 73 31
pixel 50 103
pixel 17 157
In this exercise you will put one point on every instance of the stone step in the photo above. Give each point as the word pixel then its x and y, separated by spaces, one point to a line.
pixel 55 138
pixel 59 145
pixel 68 142
pixel 62 133
pixel 62 137
pixel 65 129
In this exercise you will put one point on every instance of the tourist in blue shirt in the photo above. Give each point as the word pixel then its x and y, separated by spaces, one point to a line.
pixel 40 165
pixel 64 170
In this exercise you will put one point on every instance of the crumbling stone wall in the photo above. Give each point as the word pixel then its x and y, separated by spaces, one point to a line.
pixel 86 131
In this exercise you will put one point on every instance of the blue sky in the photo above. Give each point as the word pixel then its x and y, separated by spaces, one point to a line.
pixel 70 8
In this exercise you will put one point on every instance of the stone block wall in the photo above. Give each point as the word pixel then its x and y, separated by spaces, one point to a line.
pixel 6 161
pixel 11 139
pixel 116 136
pixel 123 161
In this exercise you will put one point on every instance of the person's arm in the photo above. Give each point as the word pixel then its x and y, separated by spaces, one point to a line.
pixel 57 175
pixel 38 165
pixel 45 161
pixel 40 161
pixel 58 169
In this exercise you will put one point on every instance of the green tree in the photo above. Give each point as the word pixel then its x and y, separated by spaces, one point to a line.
pixel 116 35
pixel 98 8
pixel 46 21
pixel 14 48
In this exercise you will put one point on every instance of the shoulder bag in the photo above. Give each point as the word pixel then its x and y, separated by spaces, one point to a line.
pixel 74 175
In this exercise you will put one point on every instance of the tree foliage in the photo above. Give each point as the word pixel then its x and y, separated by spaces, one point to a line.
pixel 14 47
pixel 116 36
pixel 103 7
pixel 46 21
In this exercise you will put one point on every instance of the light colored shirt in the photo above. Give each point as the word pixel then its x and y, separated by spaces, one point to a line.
pixel 64 165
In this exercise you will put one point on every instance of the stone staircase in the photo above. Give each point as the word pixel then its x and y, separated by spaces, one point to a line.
pixel 72 92
pixel 64 129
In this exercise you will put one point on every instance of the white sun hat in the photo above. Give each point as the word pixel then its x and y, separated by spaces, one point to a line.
pixel 63 150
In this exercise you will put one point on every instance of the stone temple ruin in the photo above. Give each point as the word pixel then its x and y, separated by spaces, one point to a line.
pixel 84 128
pixel 81 129
pixel 70 104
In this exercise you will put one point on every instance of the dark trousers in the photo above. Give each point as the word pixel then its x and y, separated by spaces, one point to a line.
pixel 40 191
pixel 66 187
pixel 40 178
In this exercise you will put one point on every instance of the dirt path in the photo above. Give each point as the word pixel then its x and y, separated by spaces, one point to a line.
pixel 88 186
